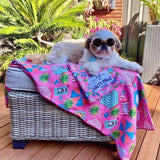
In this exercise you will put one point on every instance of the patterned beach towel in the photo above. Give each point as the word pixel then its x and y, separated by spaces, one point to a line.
pixel 113 101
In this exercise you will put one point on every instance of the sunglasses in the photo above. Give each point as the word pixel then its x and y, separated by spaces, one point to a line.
pixel 98 42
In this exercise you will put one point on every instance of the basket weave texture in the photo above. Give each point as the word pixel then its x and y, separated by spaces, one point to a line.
pixel 34 118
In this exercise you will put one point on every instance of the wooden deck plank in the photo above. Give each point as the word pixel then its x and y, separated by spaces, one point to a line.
pixel 32 149
pixel 153 100
pixel 19 154
pixel 4 130
pixel 69 151
pixel 107 152
pixel 4 121
pixel 4 141
pixel 2 103
pixel 1 96
pixel 152 139
pixel 140 138
pixel 4 113
pixel 50 151
pixel 89 152
pixel 2 100
pixel 1 87
pixel 152 103
pixel 8 152
pixel 158 154
pixel 148 90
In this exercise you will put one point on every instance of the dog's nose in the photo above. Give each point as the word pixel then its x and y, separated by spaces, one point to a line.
pixel 104 46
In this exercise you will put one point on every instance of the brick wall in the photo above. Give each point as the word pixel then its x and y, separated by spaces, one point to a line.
pixel 115 14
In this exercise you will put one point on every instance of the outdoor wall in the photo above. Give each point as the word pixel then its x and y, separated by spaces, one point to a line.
pixel 115 14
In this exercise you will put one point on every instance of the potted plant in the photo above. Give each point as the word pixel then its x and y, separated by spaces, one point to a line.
pixel 95 24
pixel 100 4
pixel 154 9
pixel 151 54
pixel 104 4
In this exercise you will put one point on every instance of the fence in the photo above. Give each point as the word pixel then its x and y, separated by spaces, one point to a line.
pixel 134 20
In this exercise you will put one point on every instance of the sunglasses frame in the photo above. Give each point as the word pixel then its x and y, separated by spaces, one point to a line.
pixel 101 42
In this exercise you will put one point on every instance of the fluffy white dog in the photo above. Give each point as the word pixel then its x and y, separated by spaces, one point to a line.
pixel 99 50
pixel 61 52
pixel 67 51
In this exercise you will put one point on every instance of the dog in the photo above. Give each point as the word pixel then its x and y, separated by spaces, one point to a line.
pixel 62 52
pixel 101 51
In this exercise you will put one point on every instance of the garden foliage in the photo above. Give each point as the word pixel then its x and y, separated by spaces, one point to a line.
pixel 23 20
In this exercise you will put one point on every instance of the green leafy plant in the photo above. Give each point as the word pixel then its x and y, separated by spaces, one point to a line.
pixel 27 22
pixel 27 18
pixel 124 55
pixel 94 24
pixel 96 5
pixel 24 43
pixel 101 4
pixel 5 59
pixel 154 5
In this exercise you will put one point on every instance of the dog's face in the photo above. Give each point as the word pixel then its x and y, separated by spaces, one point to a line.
pixel 102 43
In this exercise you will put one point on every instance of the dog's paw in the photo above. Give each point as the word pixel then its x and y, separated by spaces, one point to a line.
pixel 94 70
pixel 81 62
pixel 139 69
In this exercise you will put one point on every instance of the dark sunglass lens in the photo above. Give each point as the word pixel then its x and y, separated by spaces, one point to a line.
pixel 97 42
pixel 110 42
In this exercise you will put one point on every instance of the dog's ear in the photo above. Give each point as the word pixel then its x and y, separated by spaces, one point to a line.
pixel 118 44
pixel 88 41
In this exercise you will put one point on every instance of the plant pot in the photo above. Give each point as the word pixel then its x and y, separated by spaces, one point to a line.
pixel 112 4
pixel 98 5
pixel 151 54
pixel 158 22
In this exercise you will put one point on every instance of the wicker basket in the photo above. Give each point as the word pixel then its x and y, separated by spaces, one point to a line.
pixel 34 118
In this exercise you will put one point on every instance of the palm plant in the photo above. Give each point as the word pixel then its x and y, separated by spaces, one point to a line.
pixel 29 18
pixel 24 22
pixel 154 5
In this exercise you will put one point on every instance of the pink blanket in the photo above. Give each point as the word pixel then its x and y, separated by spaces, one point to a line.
pixel 113 101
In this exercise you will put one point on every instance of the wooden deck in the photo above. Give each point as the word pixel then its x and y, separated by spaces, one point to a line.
pixel 147 147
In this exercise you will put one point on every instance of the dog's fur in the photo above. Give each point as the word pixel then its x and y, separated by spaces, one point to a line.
pixel 95 58
pixel 85 53
pixel 61 52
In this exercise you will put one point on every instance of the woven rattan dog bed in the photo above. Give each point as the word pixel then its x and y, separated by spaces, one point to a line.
pixel 34 118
